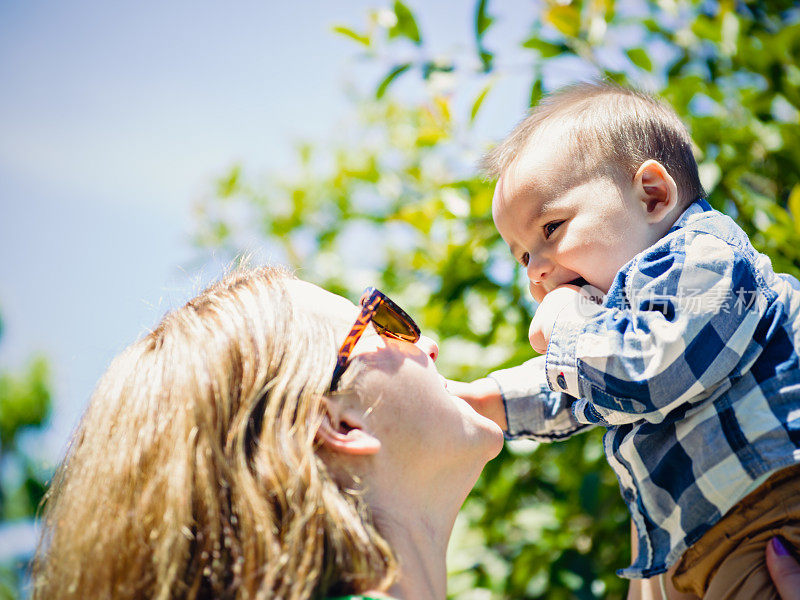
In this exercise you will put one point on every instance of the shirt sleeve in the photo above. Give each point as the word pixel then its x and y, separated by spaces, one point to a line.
pixel 675 324
pixel 532 409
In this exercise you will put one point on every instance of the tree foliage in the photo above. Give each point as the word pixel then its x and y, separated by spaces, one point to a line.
pixel 24 406
pixel 396 202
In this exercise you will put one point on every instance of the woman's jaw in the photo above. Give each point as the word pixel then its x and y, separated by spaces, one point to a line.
pixel 426 434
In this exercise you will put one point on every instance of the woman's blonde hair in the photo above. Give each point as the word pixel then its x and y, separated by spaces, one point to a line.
pixel 194 472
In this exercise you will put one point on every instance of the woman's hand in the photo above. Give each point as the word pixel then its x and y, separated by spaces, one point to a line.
pixel 784 570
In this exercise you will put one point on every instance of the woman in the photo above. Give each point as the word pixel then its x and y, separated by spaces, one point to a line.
pixel 219 457
pixel 232 454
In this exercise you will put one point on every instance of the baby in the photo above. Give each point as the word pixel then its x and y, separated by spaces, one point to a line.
pixel 658 321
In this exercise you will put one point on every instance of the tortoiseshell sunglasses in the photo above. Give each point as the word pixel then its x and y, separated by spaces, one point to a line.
pixel 388 318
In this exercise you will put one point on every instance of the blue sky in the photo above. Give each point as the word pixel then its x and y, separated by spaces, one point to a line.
pixel 116 117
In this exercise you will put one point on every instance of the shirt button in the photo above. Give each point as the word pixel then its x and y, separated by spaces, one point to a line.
pixel 562 383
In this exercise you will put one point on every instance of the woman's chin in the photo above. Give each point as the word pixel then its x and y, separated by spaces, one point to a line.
pixel 489 438
pixel 496 439
pixel 487 433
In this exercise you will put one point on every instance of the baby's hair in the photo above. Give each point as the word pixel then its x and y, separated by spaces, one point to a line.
pixel 608 128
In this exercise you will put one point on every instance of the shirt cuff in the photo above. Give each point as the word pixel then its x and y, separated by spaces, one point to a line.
pixel 562 361
pixel 520 389
pixel 532 410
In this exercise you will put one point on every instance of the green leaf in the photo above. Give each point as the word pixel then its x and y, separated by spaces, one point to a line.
pixel 616 76
pixel 794 206
pixel 652 25
pixel 482 19
pixel 482 22
pixel 227 186
pixel 545 49
pixel 536 92
pixel 640 58
pixel 347 32
pixel 476 106
pixel 406 25
pixel 707 28
pixel 431 67
pixel 390 77
pixel 24 400
pixel 487 59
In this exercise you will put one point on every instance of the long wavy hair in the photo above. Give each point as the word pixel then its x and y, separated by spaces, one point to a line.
pixel 195 473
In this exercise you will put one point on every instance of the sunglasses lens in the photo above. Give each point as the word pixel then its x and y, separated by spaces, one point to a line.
pixel 394 323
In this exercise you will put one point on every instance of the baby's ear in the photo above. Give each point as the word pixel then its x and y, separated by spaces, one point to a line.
pixel 656 189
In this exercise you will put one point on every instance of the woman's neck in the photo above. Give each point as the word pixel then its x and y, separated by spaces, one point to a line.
pixel 418 535
pixel 415 512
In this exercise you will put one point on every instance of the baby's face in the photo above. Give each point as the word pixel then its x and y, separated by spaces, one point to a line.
pixel 564 228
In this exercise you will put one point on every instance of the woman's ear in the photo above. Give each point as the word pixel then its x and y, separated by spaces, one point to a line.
pixel 656 189
pixel 344 430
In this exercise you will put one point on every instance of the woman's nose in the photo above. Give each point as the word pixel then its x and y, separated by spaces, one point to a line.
pixel 428 346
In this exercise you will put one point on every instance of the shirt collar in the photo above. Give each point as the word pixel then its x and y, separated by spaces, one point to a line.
pixel 697 207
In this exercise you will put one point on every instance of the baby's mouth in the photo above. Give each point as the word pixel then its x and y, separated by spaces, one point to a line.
pixel 578 281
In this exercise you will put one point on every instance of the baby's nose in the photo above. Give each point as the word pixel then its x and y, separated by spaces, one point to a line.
pixel 538 269
pixel 429 347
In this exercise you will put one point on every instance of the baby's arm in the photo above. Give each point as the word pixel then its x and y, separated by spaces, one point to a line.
pixel 663 337
pixel 521 403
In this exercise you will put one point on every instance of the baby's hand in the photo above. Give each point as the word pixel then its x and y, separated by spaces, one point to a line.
pixel 568 297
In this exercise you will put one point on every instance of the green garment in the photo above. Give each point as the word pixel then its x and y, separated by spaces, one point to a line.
pixel 359 597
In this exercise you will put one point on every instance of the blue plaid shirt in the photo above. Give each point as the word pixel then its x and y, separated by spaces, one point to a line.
pixel 691 364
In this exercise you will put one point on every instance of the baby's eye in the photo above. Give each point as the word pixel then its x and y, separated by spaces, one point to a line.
pixel 523 260
pixel 550 228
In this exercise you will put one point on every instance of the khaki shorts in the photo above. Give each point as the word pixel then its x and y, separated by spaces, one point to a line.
pixel 729 561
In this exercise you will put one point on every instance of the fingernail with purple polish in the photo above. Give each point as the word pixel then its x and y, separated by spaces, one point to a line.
pixel 779 548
